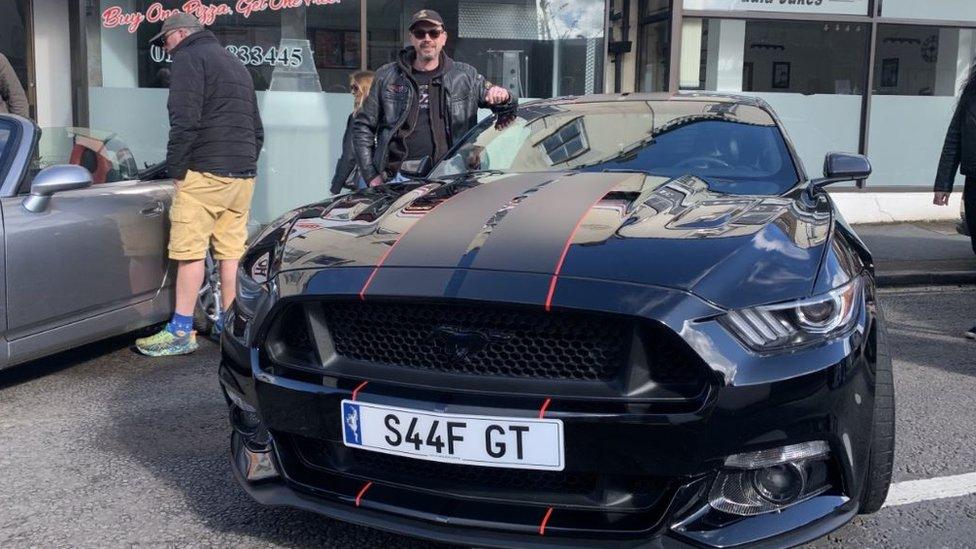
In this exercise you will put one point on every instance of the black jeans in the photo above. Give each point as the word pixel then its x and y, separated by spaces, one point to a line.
pixel 969 197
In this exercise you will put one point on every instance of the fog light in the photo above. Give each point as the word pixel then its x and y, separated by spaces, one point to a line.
pixel 771 480
pixel 252 430
pixel 253 465
pixel 779 484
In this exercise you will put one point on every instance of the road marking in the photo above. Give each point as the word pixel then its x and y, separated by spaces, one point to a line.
pixel 914 491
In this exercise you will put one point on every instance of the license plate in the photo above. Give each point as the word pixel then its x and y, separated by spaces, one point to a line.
pixel 514 443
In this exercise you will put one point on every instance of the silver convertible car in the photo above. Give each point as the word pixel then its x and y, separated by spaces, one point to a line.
pixel 83 255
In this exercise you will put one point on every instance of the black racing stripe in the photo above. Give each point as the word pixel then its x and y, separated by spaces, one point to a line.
pixel 441 238
pixel 532 236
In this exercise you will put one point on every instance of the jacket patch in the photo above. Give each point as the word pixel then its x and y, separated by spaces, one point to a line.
pixel 397 88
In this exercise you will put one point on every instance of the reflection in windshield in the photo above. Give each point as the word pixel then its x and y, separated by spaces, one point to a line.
pixel 101 153
pixel 736 149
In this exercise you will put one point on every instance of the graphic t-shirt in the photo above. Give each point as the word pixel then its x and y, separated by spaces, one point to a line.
pixel 420 142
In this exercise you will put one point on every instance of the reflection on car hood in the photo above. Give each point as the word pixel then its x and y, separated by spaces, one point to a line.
pixel 627 227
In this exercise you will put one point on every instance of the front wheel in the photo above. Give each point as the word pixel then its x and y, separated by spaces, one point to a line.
pixel 208 310
pixel 881 458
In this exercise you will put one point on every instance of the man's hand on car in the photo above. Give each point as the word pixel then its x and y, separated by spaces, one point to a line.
pixel 941 198
pixel 378 180
pixel 496 95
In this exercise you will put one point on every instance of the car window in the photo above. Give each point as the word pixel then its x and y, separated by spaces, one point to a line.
pixel 736 149
pixel 102 153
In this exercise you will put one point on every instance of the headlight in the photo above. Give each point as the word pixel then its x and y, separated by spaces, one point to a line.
pixel 798 323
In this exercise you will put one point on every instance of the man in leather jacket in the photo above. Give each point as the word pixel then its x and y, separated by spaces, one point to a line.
pixel 421 104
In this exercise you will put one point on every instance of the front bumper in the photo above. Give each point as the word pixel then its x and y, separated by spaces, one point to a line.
pixel 649 466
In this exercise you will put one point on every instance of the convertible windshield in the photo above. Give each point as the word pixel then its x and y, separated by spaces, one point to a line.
pixel 735 148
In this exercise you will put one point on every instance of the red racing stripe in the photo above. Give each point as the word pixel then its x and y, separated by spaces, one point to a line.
pixel 545 406
pixel 355 392
pixel 359 497
pixel 545 520
pixel 562 257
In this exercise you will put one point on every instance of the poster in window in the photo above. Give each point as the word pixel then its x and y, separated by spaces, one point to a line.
pixel 781 75
pixel 889 72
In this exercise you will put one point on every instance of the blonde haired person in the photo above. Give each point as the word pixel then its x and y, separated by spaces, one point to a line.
pixel 346 171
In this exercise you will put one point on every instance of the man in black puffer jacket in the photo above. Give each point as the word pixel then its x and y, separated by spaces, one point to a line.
pixel 421 105
pixel 214 141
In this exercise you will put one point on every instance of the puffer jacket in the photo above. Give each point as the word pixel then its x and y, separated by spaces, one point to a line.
pixel 959 149
pixel 394 94
pixel 12 96
pixel 214 121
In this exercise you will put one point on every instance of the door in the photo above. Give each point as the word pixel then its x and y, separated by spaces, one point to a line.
pixel 90 251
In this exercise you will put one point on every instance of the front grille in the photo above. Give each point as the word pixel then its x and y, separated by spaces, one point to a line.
pixel 591 487
pixel 481 340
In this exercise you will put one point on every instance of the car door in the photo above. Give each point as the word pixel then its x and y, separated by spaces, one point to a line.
pixel 89 251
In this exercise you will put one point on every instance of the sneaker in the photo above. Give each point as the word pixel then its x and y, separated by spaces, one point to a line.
pixel 971 334
pixel 166 343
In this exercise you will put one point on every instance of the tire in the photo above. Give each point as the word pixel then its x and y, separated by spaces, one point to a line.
pixel 882 454
pixel 207 310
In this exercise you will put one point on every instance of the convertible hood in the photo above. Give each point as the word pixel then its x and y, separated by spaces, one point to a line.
pixel 625 227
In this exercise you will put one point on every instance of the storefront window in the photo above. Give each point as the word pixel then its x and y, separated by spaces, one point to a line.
pixel 948 10
pixel 918 74
pixel 811 73
pixel 536 48
pixel 823 7
pixel 655 40
pixel 14 39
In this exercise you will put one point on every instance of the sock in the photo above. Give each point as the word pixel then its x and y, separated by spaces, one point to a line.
pixel 179 324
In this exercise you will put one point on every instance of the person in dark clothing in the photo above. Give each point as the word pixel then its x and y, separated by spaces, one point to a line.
pixel 421 104
pixel 959 155
pixel 215 138
pixel 346 172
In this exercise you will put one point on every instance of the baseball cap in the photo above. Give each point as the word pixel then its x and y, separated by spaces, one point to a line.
pixel 179 21
pixel 429 16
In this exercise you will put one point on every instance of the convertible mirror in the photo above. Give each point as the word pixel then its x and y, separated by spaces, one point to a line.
pixel 416 168
pixel 840 167
pixel 55 179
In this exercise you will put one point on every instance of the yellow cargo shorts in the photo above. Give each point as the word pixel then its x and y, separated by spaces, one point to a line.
pixel 207 208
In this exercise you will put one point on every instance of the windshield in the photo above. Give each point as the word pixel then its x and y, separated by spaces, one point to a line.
pixel 736 149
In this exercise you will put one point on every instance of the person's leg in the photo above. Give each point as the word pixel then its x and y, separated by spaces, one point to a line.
pixel 230 237
pixel 228 282
pixel 969 197
pixel 191 223
pixel 189 279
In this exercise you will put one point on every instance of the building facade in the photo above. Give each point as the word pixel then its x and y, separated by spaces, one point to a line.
pixel 871 76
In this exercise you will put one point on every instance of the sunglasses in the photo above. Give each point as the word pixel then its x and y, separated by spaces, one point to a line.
pixel 354 88
pixel 420 33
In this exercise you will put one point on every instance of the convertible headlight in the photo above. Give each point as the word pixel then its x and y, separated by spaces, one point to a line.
pixel 798 323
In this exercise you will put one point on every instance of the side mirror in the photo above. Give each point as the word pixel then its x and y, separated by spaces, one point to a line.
pixel 840 167
pixel 53 180
pixel 416 168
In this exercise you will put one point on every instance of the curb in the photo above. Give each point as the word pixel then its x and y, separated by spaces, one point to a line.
pixel 924 278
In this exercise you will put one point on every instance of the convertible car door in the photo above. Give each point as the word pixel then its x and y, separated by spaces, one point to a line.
pixel 90 252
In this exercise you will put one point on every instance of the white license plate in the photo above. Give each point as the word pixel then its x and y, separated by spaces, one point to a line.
pixel 514 443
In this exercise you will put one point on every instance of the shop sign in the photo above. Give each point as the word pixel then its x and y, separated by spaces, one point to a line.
pixel 831 7
pixel 116 16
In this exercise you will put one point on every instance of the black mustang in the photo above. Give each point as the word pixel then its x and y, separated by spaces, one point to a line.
pixel 612 320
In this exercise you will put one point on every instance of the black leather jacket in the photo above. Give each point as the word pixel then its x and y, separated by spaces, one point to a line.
pixel 392 96
pixel 346 164
pixel 959 150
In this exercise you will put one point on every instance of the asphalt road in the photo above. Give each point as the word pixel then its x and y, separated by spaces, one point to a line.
pixel 102 447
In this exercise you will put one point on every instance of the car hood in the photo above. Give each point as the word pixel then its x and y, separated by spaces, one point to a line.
pixel 732 250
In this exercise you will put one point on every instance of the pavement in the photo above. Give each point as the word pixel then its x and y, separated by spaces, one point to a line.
pixel 107 448
pixel 919 253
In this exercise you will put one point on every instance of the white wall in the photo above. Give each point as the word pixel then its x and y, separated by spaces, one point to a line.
pixel 52 63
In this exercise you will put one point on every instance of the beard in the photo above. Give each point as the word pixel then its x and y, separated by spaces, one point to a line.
pixel 427 54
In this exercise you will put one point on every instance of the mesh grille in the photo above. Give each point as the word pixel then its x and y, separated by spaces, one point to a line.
pixel 481 340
